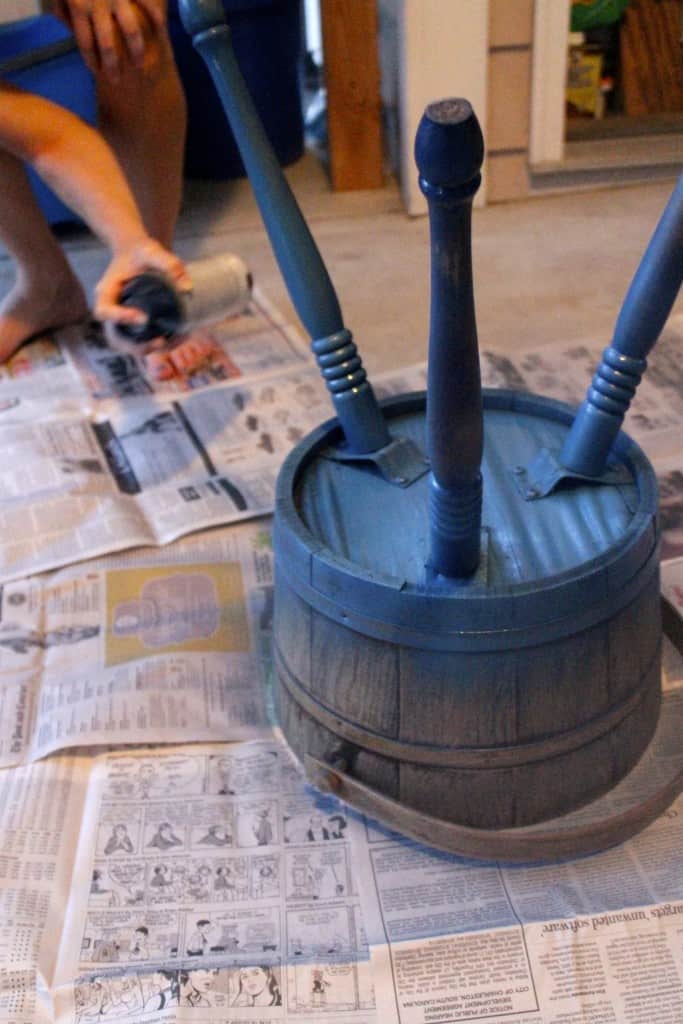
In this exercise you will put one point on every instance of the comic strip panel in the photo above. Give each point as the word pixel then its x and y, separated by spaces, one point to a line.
pixel 244 932
pixel 117 883
pixel 329 988
pixel 119 832
pixel 166 880
pixel 320 873
pixel 136 778
pixel 130 936
pixel 255 985
pixel 319 932
pixel 256 823
pixel 303 822
pixel 244 773
pixel 211 824
pixel 164 828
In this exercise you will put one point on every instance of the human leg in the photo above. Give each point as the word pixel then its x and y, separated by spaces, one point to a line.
pixel 46 293
pixel 142 113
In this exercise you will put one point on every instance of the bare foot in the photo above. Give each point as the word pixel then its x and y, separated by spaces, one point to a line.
pixel 33 306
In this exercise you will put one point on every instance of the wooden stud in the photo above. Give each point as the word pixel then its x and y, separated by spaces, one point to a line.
pixel 352 78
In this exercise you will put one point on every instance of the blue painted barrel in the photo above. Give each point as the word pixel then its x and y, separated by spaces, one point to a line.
pixel 494 702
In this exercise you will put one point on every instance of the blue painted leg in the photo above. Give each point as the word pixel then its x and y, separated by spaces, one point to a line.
pixel 301 265
pixel 646 307
pixel 449 151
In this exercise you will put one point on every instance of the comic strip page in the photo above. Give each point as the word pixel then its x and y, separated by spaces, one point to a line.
pixel 211 884
pixel 140 647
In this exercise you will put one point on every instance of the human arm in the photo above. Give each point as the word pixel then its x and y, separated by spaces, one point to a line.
pixel 75 160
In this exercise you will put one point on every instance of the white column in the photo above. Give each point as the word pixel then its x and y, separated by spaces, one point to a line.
pixel 549 75
pixel 443 52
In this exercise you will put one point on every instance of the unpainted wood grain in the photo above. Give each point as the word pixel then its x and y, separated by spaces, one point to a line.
pixel 651 57
pixel 355 675
pixel 352 79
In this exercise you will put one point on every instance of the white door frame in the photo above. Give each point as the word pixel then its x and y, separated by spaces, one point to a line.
pixel 549 73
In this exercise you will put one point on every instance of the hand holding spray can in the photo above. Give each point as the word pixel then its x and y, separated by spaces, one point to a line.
pixel 221 286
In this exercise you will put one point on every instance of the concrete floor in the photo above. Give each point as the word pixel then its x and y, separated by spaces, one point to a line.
pixel 550 268
pixel 547 268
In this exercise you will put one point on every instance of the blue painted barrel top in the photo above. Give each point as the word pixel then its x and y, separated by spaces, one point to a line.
pixel 549 566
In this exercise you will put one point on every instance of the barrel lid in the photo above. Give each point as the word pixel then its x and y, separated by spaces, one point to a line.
pixel 357 547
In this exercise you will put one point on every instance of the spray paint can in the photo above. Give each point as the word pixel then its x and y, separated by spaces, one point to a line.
pixel 221 286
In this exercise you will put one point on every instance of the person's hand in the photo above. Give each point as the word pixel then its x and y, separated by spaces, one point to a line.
pixel 128 261
pixel 101 26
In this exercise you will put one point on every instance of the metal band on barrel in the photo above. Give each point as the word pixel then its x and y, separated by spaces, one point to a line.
pixel 462 757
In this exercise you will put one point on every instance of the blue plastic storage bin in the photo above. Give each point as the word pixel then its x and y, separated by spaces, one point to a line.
pixel 58 76
pixel 266 37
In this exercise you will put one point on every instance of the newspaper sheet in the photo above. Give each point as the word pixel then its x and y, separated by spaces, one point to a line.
pixel 563 370
pixel 41 381
pixel 40 813
pixel 151 646
pixel 209 885
pixel 147 472
pixel 109 451
pixel 258 340
pixel 584 942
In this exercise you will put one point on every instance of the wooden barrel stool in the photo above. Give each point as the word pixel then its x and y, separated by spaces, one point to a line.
pixel 467 616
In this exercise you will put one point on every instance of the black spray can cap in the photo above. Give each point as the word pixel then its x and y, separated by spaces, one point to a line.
pixel 154 294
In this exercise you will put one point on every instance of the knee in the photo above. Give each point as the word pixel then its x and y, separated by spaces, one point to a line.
pixel 157 58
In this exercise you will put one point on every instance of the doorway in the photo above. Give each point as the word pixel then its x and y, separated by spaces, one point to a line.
pixel 607 92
